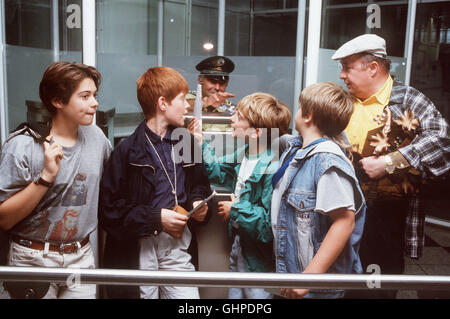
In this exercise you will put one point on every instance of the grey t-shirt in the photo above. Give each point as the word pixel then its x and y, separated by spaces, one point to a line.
pixel 334 190
pixel 68 211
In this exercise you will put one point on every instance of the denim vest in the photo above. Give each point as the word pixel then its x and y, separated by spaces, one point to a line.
pixel 297 217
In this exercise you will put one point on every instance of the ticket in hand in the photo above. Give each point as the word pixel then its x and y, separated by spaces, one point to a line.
pixel 196 208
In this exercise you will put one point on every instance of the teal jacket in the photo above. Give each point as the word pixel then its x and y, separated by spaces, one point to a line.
pixel 252 211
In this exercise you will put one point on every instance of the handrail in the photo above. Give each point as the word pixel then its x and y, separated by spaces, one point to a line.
pixel 222 279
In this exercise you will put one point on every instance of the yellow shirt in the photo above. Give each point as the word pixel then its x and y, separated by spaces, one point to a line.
pixel 360 123
pixel 364 113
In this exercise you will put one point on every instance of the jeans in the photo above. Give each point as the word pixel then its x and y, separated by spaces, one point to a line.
pixel 237 264
pixel 83 258
pixel 164 252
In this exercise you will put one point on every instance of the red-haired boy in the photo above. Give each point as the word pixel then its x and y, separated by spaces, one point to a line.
pixel 142 183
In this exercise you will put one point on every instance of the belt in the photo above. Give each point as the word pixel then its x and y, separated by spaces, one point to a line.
pixel 62 248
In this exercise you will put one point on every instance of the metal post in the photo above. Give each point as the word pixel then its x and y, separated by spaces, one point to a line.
pixel 89 32
pixel 55 30
pixel 89 58
pixel 160 32
pixel 250 36
pixel 312 65
pixel 3 77
pixel 412 6
pixel 221 28
pixel 299 58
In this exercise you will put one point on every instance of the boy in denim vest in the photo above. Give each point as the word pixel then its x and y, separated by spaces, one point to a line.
pixel 318 208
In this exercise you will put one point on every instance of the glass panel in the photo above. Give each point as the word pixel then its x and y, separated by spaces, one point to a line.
pixel 203 28
pixel 431 58
pixel 29 49
pixel 272 33
pixel 237 29
pixel 126 47
pixel 275 35
pixel 275 4
pixel 344 22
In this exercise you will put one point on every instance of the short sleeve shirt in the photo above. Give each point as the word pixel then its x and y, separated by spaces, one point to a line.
pixel 68 210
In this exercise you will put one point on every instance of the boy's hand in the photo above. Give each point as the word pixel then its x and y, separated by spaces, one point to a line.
pixel 200 215
pixel 224 208
pixel 293 293
pixel 53 155
pixel 195 129
pixel 172 222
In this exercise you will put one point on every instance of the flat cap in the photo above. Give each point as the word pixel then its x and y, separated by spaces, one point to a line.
pixel 216 65
pixel 364 43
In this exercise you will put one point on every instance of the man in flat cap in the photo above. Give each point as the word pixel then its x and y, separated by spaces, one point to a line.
pixel 214 77
pixel 403 141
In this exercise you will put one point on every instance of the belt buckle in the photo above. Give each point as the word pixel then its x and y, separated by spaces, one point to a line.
pixel 25 242
pixel 74 246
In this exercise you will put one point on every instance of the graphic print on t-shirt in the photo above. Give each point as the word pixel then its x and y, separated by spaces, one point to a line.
pixel 37 226
pixel 77 193
pixel 66 229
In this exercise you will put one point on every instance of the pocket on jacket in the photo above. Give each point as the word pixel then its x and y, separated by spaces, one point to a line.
pixel 303 205
pixel 302 201
pixel 305 248
pixel 141 181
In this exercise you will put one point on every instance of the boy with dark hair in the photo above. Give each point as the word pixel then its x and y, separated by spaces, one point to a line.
pixel 143 182
pixel 39 173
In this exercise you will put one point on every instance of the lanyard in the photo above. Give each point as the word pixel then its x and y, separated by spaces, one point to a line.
pixel 174 187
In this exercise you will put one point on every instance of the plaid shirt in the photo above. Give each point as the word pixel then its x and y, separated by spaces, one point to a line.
pixel 429 153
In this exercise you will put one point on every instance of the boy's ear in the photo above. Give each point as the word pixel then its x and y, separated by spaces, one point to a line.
pixel 57 103
pixel 162 104
pixel 308 118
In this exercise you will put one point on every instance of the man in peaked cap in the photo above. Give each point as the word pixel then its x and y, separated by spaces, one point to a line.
pixel 395 217
pixel 214 77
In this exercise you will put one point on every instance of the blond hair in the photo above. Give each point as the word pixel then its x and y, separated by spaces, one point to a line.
pixel 331 107
pixel 263 110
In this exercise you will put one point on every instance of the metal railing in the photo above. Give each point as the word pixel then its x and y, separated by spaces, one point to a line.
pixel 222 279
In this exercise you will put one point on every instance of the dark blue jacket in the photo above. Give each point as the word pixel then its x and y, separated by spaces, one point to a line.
pixel 125 205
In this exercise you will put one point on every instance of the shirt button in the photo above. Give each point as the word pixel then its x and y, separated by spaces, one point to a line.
pixel 155 232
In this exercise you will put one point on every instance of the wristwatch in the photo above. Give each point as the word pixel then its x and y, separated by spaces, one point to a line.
pixel 40 181
pixel 390 167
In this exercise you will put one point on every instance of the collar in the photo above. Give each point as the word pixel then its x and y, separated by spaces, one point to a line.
pixel 155 138
pixel 398 92
pixel 302 153
pixel 139 142
pixel 382 96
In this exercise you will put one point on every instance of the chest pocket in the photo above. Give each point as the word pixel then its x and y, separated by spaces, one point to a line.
pixel 141 182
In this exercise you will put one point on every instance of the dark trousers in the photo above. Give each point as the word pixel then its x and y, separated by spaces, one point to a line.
pixel 382 244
